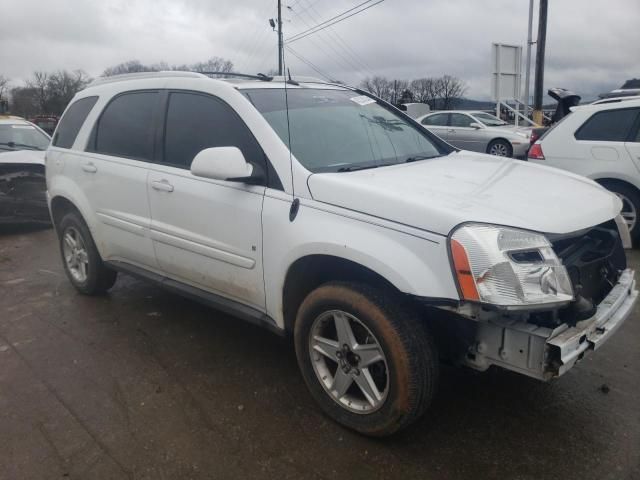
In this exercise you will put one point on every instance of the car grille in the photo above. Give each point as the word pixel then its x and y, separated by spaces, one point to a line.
pixel 594 259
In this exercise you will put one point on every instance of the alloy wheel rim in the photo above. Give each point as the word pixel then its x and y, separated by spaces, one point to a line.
pixel 349 362
pixel 75 254
pixel 628 211
pixel 498 149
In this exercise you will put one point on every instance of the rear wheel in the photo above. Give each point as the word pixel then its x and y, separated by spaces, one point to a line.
pixel 80 257
pixel 630 206
pixel 367 359
pixel 500 148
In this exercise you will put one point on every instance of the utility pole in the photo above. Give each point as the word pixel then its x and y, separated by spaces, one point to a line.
pixel 280 42
pixel 539 81
pixel 527 80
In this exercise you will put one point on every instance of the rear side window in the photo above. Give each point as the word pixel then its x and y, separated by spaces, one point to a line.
pixel 437 119
pixel 72 121
pixel 460 120
pixel 126 126
pixel 609 125
pixel 195 122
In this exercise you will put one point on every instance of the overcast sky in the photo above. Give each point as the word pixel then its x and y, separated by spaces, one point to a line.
pixel 592 45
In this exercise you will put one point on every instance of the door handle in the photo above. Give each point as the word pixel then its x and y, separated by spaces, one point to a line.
pixel 451 130
pixel 162 185
pixel 89 167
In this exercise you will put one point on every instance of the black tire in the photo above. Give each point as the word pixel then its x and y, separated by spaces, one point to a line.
pixel 501 144
pixel 99 278
pixel 630 198
pixel 411 355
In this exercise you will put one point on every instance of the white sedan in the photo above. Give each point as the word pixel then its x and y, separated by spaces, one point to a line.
pixel 602 142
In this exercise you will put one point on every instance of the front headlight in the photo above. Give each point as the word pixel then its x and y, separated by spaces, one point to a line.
pixel 508 267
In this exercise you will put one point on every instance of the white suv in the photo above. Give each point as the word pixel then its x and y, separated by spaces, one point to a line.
pixel 320 211
pixel 600 141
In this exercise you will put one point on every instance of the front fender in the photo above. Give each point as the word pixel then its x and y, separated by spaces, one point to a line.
pixel 415 263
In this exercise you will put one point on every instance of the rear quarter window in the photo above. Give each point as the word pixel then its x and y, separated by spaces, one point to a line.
pixel 439 119
pixel 72 121
pixel 608 125
pixel 126 126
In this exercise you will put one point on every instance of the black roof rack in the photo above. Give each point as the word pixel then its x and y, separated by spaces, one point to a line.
pixel 258 76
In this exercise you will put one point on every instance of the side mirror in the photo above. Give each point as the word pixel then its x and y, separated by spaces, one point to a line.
pixel 222 163
pixel 475 125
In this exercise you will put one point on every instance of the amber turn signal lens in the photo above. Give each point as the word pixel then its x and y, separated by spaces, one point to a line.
pixel 463 272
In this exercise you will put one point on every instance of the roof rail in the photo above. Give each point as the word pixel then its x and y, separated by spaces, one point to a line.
pixel 142 75
pixel 258 76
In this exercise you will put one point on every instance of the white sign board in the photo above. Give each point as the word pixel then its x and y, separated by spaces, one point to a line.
pixel 506 71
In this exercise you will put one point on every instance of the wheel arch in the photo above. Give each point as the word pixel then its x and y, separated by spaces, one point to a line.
pixel 610 180
pixel 60 206
pixel 497 139
pixel 309 272
pixel 61 203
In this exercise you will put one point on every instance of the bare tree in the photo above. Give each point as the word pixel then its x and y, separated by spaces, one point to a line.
pixel 131 66
pixel 48 92
pixel 397 88
pixel 4 86
pixel 214 64
pixel 379 86
pixel 24 101
pixel 450 90
pixel 62 86
pixel 39 86
pixel 426 90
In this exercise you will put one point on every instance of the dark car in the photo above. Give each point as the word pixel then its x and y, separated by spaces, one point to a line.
pixel 47 123
pixel 22 181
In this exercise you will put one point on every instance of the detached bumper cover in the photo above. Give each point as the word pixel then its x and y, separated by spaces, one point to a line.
pixel 544 353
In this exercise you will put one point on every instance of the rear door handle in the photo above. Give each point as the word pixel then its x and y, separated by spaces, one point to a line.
pixel 451 130
pixel 89 167
pixel 162 185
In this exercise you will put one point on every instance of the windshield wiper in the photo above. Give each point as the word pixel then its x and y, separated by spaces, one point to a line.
pixel 21 145
pixel 353 168
pixel 419 157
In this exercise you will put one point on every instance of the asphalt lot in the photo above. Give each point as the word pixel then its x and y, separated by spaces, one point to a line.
pixel 144 384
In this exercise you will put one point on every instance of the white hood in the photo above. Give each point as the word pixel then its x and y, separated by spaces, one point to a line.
pixel 29 157
pixel 440 193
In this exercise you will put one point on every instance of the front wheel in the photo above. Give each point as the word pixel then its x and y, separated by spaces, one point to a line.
pixel 366 357
pixel 500 148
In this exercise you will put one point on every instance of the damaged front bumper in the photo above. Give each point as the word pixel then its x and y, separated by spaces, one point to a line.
pixel 544 353
pixel 23 194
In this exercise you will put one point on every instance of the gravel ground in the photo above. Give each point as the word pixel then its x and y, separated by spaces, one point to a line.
pixel 143 384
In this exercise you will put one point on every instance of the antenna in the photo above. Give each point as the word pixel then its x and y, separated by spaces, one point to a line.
pixel 290 80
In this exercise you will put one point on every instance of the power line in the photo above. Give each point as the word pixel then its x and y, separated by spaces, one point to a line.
pixel 333 20
pixel 338 55
pixel 304 9
pixel 308 63
pixel 257 32
pixel 339 41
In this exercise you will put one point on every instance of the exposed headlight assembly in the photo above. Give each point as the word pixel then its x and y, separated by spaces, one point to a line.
pixel 508 268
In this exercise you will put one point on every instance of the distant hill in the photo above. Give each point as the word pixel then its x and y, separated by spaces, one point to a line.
pixel 633 83
pixel 469 104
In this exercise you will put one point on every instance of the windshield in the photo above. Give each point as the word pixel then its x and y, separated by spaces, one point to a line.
pixel 22 137
pixel 340 130
pixel 489 120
